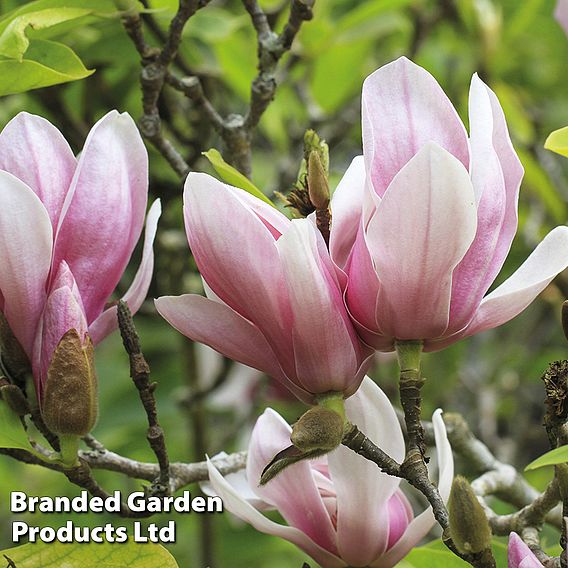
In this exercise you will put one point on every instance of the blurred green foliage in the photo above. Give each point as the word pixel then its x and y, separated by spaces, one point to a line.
pixel 493 379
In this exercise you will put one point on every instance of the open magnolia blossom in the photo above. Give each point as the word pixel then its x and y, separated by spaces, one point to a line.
pixel 520 555
pixel 340 509
pixel 423 221
pixel 273 299
pixel 68 227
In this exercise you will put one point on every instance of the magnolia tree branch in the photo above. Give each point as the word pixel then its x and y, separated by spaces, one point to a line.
pixel 140 373
pixel 236 130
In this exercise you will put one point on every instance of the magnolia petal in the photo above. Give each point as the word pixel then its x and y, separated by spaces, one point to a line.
pixel 293 491
pixel 346 207
pixel 136 293
pixel 496 175
pixel 273 220
pixel 63 311
pixel 404 108
pixel 220 327
pixel 363 285
pixel 26 243
pixel 508 300
pixel 34 151
pixel 241 508
pixel 421 525
pixel 474 274
pixel 104 210
pixel 236 254
pixel 519 555
pixel 326 347
pixel 362 506
pixel 415 249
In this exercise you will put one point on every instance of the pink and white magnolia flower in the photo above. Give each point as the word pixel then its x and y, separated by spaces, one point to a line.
pixel 340 509
pixel 423 221
pixel 520 555
pixel 68 227
pixel 273 299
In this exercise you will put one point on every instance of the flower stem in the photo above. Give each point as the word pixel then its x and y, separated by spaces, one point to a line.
pixel 69 450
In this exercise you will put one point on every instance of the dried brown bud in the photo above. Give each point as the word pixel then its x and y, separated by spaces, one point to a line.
pixel 69 403
pixel 469 527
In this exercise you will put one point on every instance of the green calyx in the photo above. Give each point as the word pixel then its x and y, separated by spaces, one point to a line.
pixel 317 432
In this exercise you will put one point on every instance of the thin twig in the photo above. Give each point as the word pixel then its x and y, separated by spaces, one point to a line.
pixel 140 373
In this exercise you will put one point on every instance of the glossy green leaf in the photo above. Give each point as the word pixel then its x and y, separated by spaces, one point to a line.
pixel 557 141
pixel 13 39
pixel 46 63
pixel 425 557
pixel 553 457
pixel 232 176
pixel 12 433
pixel 90 555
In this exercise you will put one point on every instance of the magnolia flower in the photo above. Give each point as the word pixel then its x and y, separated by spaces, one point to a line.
pixel 340 509
pixel 423 221
pixel 520 555
pixel 273 298
pixel 561 14
pixel 68 227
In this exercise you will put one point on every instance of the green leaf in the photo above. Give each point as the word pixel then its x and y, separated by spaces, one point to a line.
pixel 553 457
pixel 233 176
pixel 557 141
pixel 12 433
pixel 90 555
pixel 13 39
pixel 425 557
pixel 46 63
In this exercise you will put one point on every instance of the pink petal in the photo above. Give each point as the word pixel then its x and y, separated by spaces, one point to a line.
pixel 421 525
pixel 415 249
pixel 362 506
pixel 326 348
pixel 403 109
pixel 63 311
pixel 520 555
pixel 241 508
pixel 400 515
pixel 34 151
pixel 496 175
pixel 273 220
pixel 25 256
pixel 508 300
pixel 346 207
pixel 293 491
pixel 236 255
pixel 363 285
pixel 104 211
pixel 215 324
pixel 136 293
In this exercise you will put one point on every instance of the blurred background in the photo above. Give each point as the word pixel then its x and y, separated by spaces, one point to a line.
pixel 492 379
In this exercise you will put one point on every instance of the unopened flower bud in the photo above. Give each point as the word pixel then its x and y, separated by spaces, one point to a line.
pixel 319 428
pixel 15 399
pixel 69 404
pixel 469 527
pixel 318 186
